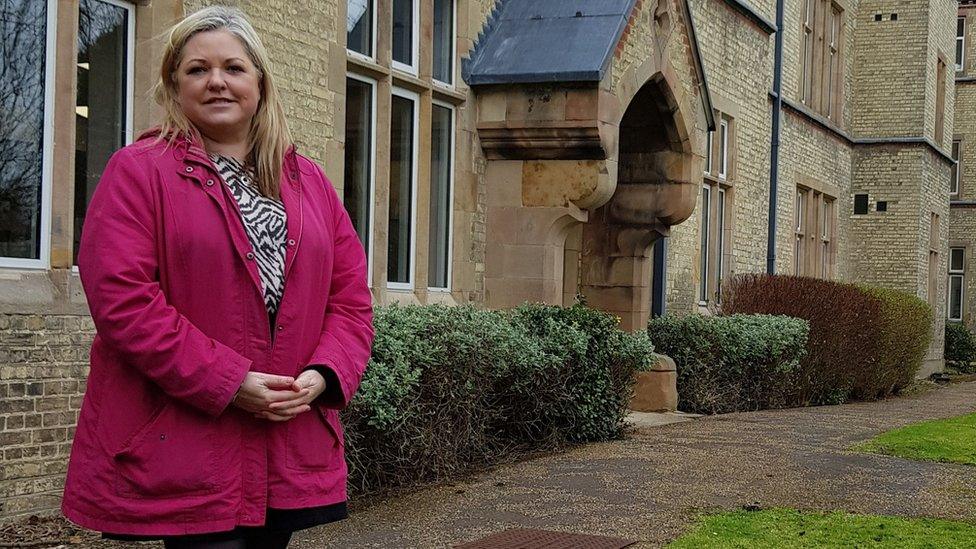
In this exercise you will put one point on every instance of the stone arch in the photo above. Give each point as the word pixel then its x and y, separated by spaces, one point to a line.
pixel 659 157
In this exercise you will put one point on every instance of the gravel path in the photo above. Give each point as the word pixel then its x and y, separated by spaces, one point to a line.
pixel 650 486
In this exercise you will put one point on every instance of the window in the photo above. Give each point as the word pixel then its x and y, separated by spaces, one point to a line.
pixel 405 31
pixel 860 204
pixel 814 233
pixel 706 210
pixel 940 86
pixel 103 111
pixel 799 236
pixel 708 152
pixel 933 257
pixel 444 41
pixel 403 178
pixel 360 30
pixel 960 43
pixel 957 283
pixel 441 178
pixel 720 213
pixel 26 118
pixel 358 178
pixel 821 86
pixel 723 149
pixel 956 171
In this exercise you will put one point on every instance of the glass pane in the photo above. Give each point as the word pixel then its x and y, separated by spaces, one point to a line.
pixel 444 41
pixel 705 212
pixel 956 259
pixel 403 31
pixel 960 26
pixel 959 50
pixel 358 178
pixel 401 190
pixel 440 196
pixel 22 66
pixel 100 109
pixel 954 180
pixel 359 26
pixel 708 152
pixel 723 147
pixel 955 297
pixel 720 237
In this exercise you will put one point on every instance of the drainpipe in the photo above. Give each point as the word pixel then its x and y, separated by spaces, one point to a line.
pixel 774 142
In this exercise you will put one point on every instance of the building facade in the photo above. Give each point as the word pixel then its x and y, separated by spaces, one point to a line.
pixel 496 151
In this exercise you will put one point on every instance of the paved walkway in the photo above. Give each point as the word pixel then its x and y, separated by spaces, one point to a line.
pixel 650 486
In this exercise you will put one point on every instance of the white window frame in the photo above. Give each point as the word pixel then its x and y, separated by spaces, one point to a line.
pixel 961 275
pixel 415 45
pixel 453 51
pixel 372 46
pixel 372 172
pixel 412 275
pixel 723 161
pixel 47 147
pixel 961 63
pixel 450 204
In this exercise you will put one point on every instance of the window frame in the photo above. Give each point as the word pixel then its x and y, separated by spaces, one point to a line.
pixel 373 43
pixel 396 91
pixel 47 150
pixel 961 275
pixel 414 68
pixel 709 140
pixel 723 148
pixel 821 58
pixel 815 240
pixel 933 257
pixel 130 67
pixel 374 84
pixel 956 169
pixel 453 51
pixel 705 233
pixel 450 201
pixel 961 62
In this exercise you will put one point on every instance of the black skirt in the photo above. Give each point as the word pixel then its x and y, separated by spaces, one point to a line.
pixel 276 520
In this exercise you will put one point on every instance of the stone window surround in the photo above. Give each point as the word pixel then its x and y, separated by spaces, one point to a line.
pixel 961 273
pixel 819 196
pixel 725 111
pixel 812 74
pixel 933 258
pixel 942 83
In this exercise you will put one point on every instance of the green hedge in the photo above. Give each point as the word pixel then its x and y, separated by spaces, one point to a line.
pixel 449 389
pixel 865 342
pixel 960 347
pixel 733 363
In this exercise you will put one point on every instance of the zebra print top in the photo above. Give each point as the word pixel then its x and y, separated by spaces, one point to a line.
pixel 264 223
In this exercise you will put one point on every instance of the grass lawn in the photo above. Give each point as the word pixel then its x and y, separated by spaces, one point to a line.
pixel 945 440
pixel 786 528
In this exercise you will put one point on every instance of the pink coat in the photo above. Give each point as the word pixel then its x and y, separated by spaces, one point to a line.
pixel 177 303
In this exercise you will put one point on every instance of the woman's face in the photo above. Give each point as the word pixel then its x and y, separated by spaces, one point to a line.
pixel 218 87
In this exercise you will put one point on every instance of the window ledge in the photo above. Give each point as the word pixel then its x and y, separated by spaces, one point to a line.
pixel 360 64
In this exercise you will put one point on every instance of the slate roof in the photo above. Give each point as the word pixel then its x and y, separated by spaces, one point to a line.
pixel 547 41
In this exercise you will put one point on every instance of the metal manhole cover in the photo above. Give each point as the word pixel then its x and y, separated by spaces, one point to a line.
pixel 524 538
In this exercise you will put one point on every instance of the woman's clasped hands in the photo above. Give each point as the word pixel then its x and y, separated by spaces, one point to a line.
pixel 279 398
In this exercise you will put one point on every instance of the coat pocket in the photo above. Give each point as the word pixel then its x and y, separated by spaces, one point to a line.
pixel 314 441
pixel 172 455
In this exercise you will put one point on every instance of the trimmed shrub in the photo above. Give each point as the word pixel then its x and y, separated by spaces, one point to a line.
pixel 450 389
pixel 865 342
pixel 960 346
pixel 733 363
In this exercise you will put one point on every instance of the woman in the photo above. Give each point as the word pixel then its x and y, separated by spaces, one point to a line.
pixel 228 289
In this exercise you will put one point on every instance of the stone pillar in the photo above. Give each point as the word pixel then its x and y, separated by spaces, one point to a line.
pixel 524 256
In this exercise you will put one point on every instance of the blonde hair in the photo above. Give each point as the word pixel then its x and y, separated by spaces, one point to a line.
pixel 268 138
